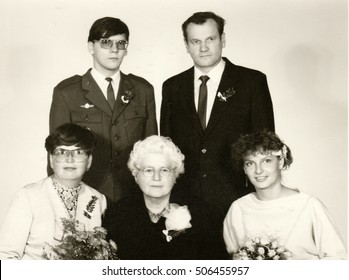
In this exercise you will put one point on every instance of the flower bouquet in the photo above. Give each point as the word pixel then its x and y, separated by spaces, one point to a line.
pixel 177 220
pixel 263 249
pixel 79 244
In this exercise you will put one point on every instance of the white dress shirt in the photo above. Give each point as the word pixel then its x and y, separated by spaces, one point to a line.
pixel 103 83
pixel 212 86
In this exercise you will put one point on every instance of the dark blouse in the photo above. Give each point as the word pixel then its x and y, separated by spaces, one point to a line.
pixel 137 238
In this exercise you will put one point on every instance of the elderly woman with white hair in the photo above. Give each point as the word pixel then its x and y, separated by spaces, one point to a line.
pixel 155 225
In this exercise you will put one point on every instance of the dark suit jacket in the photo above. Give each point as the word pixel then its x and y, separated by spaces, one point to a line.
pixel 80 100
pixel 208 166
pixel 137 238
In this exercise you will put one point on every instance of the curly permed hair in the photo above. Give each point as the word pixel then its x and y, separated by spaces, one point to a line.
pixel 156 144
pixel 263 142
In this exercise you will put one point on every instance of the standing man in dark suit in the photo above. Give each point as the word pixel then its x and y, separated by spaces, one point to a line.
pixel 118 108
pixel 205 115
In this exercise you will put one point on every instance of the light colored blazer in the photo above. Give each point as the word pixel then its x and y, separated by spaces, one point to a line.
pixel 34 218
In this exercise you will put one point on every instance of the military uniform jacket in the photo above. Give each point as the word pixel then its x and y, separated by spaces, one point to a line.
pixel 80 100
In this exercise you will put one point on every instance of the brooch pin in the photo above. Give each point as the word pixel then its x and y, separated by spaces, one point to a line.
pixel 226 94
pixel 90 206
pixel 87 106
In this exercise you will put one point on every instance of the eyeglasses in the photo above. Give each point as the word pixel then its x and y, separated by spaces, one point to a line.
pixel 108 44
pixel 62 155
pixel 163 171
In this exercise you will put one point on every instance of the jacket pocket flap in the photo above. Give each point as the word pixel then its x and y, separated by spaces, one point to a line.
pixel 135 112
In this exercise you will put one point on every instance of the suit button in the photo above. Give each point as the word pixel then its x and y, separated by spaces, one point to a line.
pixel 204 175
pixel 116 153
pixel 116 137
pixel 203 151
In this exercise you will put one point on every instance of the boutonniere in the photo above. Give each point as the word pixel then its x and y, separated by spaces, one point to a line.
pixel 177 220
pixel 87 106
pixel 90 206
pixel 127 96
pixel 226 94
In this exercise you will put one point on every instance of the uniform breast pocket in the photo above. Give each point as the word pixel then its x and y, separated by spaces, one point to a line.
pixel 86 117
pixel 135 112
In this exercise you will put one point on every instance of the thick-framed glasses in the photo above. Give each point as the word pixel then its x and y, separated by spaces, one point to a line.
pixel 108 44
pixel 150 172
pixel 62 155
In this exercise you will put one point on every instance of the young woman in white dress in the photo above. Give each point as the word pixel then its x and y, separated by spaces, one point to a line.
pixel 287 219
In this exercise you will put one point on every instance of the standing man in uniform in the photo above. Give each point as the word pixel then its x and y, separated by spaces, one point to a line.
pixel 118 108
pixel 205 109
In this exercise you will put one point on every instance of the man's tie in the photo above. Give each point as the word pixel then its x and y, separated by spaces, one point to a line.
pixel 110 93
pixel 203 101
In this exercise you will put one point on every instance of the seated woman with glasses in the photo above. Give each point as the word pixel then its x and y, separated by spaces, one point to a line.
pixel 154 225
pixel 35 215
pixel 276 222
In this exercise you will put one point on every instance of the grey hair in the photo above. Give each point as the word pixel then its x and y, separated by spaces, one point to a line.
pixel 156 144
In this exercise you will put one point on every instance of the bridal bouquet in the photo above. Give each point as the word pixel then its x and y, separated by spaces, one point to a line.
pixel 79 244
pixel 263 249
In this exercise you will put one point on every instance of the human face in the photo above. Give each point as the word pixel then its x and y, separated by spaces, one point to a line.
pixel 157 186
pixel 107 61
pixel 263 170
pixel 205 44
pixel 69 172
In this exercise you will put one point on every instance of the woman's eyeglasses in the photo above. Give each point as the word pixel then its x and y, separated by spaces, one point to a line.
pixel 62 155
pixel 108 44
pixel 163 172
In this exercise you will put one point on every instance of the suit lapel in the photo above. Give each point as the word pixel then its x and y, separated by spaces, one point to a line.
pixel 125 85
pixel 94 93
pixel 228 81
pixel 187 96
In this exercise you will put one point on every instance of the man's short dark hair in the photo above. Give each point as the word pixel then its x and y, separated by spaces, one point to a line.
pixel 107 27
pixel 201 18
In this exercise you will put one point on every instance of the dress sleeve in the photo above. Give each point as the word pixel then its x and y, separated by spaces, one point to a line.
pixel 327 239
pixel 16 228
pixel 233 228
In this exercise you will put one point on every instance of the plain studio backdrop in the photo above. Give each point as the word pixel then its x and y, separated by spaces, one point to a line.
pixel 301 45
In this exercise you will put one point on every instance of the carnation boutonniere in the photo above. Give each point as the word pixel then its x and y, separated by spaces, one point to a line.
pixel 90 206
pixel 127 96
pixel 263 249
pixel 223 96
pixel 177 220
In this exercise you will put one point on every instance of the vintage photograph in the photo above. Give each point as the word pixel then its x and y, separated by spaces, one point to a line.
pixel 174 130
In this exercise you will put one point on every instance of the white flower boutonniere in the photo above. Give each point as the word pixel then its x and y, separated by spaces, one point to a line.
pixel 177 220
pixel 223 97
pixel 127 96
pixel 90 206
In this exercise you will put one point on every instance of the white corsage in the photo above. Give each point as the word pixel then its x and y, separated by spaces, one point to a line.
pixel 177 220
